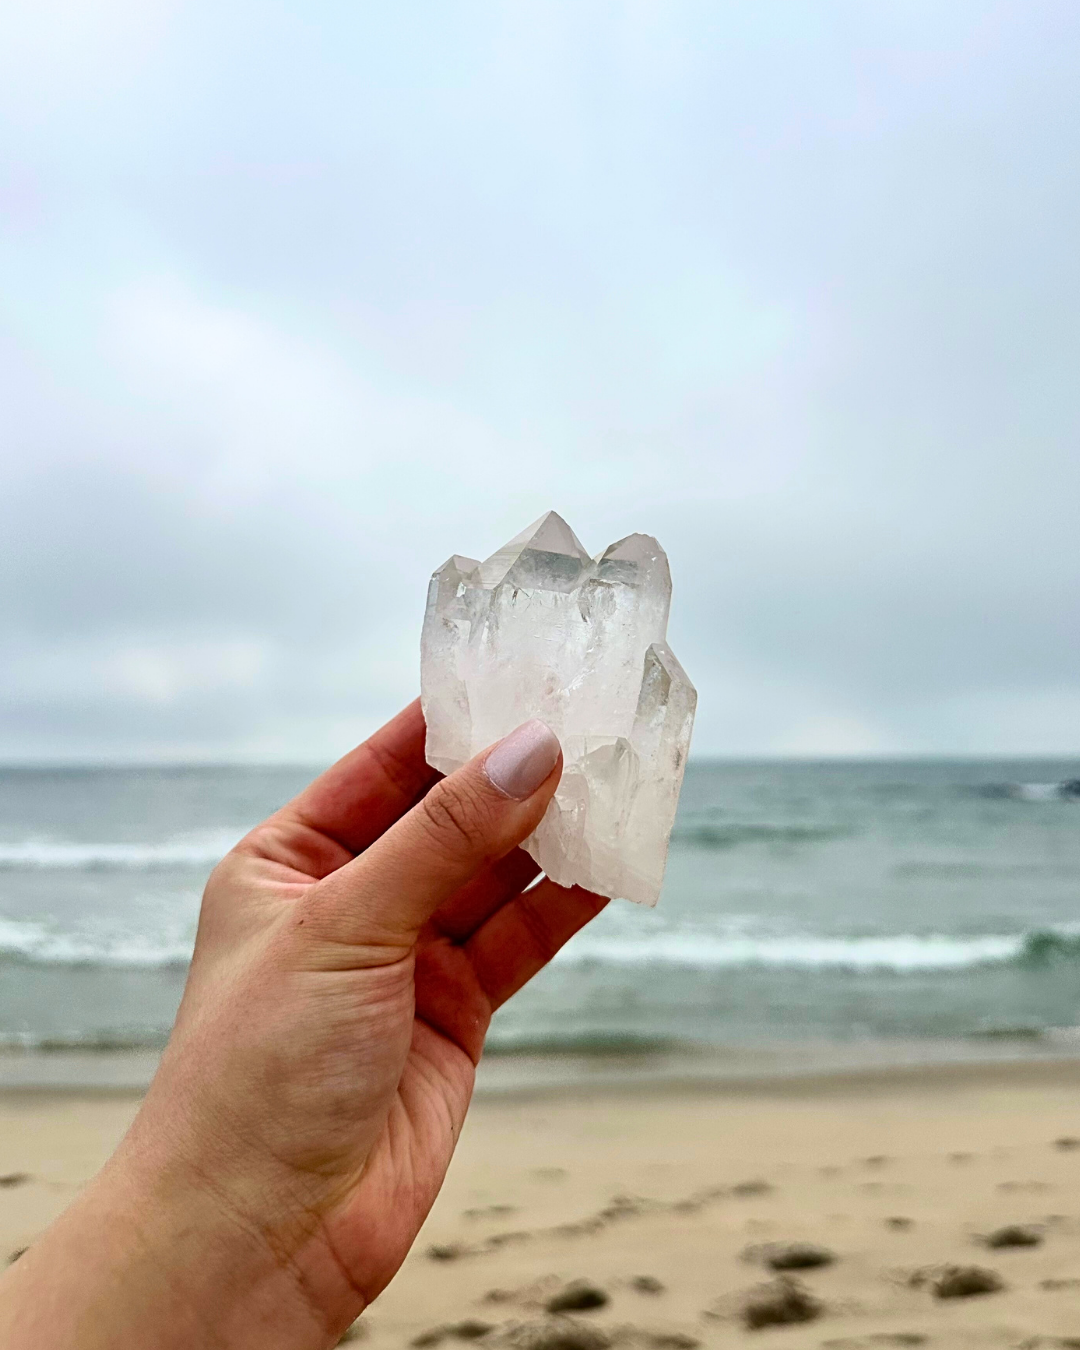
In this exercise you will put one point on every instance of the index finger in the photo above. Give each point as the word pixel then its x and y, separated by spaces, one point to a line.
pixel 357 799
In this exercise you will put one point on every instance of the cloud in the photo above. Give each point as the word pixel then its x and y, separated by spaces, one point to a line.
pixel 297 302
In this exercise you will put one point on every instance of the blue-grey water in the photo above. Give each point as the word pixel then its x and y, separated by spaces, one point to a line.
pixel 832 902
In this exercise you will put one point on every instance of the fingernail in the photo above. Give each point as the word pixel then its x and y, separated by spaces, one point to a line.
pixel 522 761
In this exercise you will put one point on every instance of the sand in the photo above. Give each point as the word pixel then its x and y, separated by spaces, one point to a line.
pixel 894 1173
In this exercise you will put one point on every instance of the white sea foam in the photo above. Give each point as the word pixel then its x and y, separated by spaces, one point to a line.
pixel 690 950
pixel 697 950
pixel 1039 792
pixel 201 849
pixel 35 943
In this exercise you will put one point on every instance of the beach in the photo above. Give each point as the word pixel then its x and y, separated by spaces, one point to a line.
pixel 670 1198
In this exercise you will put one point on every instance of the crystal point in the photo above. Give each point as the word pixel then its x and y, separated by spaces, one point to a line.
pixel 540 629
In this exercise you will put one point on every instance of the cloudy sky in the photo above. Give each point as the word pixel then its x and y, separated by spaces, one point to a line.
pixel 298 298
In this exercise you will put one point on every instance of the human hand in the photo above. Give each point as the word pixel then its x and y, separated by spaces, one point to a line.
pixel 350 953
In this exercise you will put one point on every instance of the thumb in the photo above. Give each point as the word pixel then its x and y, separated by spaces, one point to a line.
pixel 467 821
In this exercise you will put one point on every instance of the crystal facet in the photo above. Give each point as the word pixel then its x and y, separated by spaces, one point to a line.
pixel 540 629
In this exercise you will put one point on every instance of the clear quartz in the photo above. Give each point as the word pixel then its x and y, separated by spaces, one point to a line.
pixel 540 629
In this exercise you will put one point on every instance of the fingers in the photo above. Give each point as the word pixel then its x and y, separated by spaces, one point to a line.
pixel 352 803
pixel 521 938
pixel 464 912
pixel 467 822
pixel 361 795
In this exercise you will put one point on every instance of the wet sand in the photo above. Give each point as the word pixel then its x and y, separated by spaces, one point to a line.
pixel 669 1201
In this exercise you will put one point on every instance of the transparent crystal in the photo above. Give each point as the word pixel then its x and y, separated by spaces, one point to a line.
pixel 542 630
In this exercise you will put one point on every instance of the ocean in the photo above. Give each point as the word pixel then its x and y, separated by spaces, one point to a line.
pixel 922 904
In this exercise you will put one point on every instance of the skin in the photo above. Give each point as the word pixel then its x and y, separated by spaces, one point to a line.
pixel 350 953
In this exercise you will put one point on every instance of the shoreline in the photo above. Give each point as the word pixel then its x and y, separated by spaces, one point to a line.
pixel 787 1070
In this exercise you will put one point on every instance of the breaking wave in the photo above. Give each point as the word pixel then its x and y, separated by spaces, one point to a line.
pixel 900 954
pixel 26 943
pixel 193 850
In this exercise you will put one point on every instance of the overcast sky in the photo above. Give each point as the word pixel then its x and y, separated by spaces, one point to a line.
pixel 298 298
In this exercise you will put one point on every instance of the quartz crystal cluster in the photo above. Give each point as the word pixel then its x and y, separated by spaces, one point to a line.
pixel 542 630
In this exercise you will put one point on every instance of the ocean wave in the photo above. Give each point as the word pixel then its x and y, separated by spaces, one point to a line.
pixel 29 943
pixel 192 850
pixel 901 953
pixel 26 943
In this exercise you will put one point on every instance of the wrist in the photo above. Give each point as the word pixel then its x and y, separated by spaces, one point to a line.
pixel 150 1258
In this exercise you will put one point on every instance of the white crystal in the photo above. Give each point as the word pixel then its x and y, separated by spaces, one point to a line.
pixel 542 630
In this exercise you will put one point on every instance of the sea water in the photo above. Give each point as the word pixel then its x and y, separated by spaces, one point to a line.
pixel 920 902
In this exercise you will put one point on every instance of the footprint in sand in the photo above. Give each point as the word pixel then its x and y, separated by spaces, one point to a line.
pixel 471 1329
pixel 876 1338
pixel 784 1302
pixel 1014 1235
pixel 781 1256
pixel 957 1281
pixel 577 1296
pixel 745 1189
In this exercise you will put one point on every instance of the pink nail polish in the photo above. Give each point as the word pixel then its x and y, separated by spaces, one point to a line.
pixel 523 760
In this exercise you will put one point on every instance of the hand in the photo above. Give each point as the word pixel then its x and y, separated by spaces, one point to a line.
pixel 350 953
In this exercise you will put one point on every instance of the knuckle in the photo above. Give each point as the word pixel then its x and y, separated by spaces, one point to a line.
pixel 456 817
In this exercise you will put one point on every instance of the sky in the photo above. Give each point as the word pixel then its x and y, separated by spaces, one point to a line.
pixel 299 298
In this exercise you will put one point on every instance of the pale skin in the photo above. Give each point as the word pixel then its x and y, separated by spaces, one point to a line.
pixel 350 953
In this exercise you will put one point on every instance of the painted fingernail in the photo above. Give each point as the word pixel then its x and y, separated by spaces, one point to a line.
pixel 522 761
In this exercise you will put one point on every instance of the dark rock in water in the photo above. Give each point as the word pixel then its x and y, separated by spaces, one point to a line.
pixel 579 1296
pixel 14 1179
pixel 1066 1142
pixel 965 1281
pixel 782 1303
pixel 1070 788
pixel 646 1284
pixel 1014 1235
pixel 555 1333
pixel 797 1256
